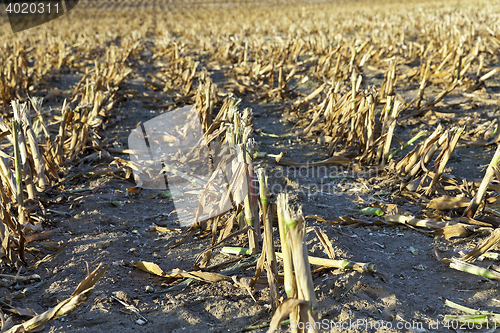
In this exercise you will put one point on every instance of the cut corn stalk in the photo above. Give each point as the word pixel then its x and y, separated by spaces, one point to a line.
pixel 479 250
pixel 371 211
pixel 289 279
pixel 249 208
pixel 18 171
pixel 294 222
pixel 475 317
pixel 390 131
pixel 474 204
pixel 409 142
pixel 27 174
pixel 342 264
pixel 268 228
pixel 444 160
pixel 473 269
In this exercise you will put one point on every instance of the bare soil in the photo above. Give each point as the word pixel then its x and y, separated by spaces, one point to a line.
pixel 409 290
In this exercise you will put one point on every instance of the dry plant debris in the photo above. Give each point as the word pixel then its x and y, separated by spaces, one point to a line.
pixel 395 104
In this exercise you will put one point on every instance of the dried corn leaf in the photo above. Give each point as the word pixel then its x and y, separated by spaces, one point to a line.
pixel 447 203
pixel 244 283
pixel 202 276
pixel 40 236
pixel 487 244
pixel 468 220
pixel 273 290
pixel 289 305
pixel 225 239
pixel 345 220
pixel 451 231
pixel 149 267
pixel 389 209
pixel 78 298
pixel 163 229
pixel 62 309
pixel 90 280
pixel 4 240
pixel 410 220
pixel 177 273
pixel 327 245
pixel 492 209
pixel 23 312
pixel 47 258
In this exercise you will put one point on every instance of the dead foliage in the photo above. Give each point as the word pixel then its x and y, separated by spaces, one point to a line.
pixel 340 87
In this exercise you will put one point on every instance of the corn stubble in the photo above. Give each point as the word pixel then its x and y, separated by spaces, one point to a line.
pixel 38 145
pixel 299 286
pixel 38 155
pixel 441 53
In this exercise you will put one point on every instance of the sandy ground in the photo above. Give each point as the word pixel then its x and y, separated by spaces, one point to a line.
pixel 407 295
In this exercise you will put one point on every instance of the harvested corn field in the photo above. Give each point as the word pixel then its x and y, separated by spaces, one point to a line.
pixel 251 166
